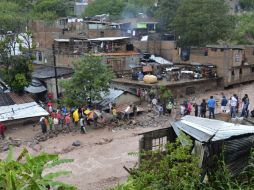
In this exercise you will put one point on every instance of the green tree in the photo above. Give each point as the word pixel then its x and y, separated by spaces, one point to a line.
pixel 244 32
pixel 176 168
pixel 90 80
pixel 11 17
pixel 16 69
pixel 112 7
pixel 50 9
pixel 166 13
pixel 19 82
pixel 27 172
pixel 200 22
pixel 120 8
pixel 247 4
pixel 165 94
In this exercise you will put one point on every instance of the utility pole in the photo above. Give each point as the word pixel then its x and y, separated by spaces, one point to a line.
pixel 55 68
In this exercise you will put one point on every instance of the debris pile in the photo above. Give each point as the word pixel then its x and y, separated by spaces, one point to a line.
pixel 4 144
pixel 145 120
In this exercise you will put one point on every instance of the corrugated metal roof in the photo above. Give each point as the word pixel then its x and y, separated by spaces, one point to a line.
pixel 110 98
pixel 160 60
pixel 21 111
pixel 5 99
pixel 49 72
pixel 204 129
pixel 17 99
pixel 35 87
pixel 127 53
pixel 109 38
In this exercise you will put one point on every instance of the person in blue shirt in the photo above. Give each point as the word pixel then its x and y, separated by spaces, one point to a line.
pixel 224 103
pixel 211 106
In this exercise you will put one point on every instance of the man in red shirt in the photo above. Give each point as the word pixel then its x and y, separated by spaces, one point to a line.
pixel 2 129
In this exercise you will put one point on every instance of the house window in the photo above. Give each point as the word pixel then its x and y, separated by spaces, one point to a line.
pixel 240 71
pixel 39 56
pixel 159 143
pixel 233 73
pixel 252 69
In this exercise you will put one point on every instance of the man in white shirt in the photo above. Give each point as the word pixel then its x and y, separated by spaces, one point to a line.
pixel 154 102
pixel 233 104
pixel 127 112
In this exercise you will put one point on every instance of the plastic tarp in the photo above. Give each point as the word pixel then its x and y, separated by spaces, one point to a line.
pixel 160 60
pixel 21 111
pixel 141 25
pixel 144 38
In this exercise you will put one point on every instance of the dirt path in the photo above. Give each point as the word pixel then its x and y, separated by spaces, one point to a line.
pixel 98 162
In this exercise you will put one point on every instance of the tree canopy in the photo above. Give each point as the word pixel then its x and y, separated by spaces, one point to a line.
pixel 16 10
pixel 244 32
pixel 112 7
pixel 200 22
pixel 16 69
pixel 89 82
pixel 120 8
pixel 166 13
pixel 247 4
pixel 11 16
pixel 50 9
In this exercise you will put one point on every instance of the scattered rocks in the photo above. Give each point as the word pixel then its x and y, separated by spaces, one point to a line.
pixel 76 143
pixel 4 144
pixel 37 148
pixel 104 141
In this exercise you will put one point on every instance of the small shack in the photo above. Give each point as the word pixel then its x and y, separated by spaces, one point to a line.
pixel 211 139
pixel 17 109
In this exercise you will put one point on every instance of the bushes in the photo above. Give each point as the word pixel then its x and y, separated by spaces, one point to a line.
pixel 178 170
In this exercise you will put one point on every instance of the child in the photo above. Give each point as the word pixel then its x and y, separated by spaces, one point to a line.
pixel 55 122
pixel 50 121
pixel 68 121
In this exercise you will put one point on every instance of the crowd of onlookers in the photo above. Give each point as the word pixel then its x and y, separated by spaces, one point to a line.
pixel 79 118
pixel 74 118
pixel 234 106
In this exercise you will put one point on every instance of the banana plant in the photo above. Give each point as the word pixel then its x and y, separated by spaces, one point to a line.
pixel 27 172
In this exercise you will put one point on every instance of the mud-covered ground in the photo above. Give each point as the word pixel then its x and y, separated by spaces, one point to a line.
pixel 98 162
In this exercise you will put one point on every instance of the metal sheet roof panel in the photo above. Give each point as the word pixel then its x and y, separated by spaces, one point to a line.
pixel 21 111
pixel 204 129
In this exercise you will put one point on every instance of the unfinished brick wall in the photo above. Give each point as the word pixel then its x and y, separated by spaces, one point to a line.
pixel 165 49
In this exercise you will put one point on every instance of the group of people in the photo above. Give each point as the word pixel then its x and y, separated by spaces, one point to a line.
pixel 62 118
pixel 233 103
